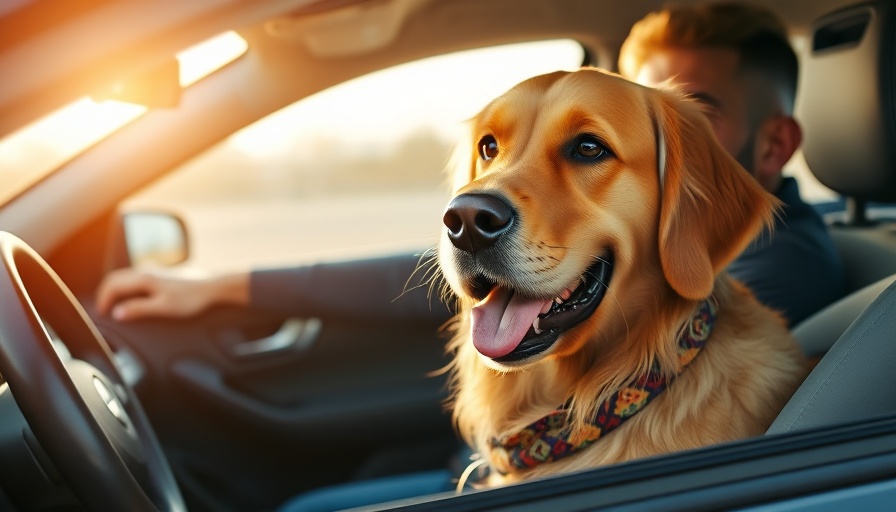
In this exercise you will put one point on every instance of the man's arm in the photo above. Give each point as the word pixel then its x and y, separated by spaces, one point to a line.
pixel 389 288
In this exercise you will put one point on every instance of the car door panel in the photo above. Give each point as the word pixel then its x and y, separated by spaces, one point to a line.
pixel 362 398
pixel 356 398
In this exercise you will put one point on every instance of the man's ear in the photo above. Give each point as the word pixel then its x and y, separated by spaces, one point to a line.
pixel 710 207
pixel 777 140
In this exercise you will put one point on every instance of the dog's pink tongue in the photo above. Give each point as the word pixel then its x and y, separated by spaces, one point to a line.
pixel 500 321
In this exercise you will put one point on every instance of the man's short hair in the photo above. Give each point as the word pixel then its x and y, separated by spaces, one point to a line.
pixel 754 32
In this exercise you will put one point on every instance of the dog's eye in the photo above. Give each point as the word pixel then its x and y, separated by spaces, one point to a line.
pixel 488 148
pixel 589 148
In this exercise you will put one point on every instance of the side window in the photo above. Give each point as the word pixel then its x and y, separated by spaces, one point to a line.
pixel 354 171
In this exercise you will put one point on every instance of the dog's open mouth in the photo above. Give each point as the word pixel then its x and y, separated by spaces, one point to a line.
pixel 509 327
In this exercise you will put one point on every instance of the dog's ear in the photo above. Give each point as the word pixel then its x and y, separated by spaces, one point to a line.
pixel 711 208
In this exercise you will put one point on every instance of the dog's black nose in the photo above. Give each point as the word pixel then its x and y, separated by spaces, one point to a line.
pixel 476 221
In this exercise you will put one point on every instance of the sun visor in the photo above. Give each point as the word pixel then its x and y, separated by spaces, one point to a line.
pixel 846 102
pixel 356 29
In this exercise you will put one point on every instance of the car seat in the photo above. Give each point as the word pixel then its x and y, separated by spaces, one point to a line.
pixel 850 145
pixel 847 107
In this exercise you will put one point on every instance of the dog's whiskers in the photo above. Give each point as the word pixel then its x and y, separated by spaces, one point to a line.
pixel 426 261
pixel 431 274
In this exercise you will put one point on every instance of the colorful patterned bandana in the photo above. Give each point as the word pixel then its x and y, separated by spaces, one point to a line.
pixel 550 439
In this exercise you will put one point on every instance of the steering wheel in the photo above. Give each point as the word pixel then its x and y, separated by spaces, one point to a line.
pixel 79 408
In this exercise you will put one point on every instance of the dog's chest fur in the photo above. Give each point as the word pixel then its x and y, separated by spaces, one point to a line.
pixel 747 371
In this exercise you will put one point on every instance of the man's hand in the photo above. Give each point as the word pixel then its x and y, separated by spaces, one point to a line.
pixel 129 294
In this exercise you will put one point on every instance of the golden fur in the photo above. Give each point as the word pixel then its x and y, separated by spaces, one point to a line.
pixel 670 247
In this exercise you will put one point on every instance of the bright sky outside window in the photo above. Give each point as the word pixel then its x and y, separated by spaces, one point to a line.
pixel 201 60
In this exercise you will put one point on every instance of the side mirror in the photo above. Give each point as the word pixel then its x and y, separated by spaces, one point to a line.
pixel 155 238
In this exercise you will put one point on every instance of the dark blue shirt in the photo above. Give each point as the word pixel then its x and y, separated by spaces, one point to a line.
pixel 795 270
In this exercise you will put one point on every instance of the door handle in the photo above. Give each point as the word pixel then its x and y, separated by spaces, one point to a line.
pixel 295 335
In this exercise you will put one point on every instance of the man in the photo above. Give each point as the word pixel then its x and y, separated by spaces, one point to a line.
pixel 733 58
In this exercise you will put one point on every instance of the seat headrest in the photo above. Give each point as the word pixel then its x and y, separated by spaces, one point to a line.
pixel 847 101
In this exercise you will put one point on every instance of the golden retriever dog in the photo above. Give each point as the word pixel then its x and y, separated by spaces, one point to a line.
pixel 586 241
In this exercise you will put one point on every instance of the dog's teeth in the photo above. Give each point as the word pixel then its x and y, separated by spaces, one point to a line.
pixel 535 325
pixel 545 308
pixel 558 301
pixel 565 294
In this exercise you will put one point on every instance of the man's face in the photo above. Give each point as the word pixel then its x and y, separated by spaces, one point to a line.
pixel 710 76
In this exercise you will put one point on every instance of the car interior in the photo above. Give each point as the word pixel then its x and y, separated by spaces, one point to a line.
pixel 844 43
pixel 246 425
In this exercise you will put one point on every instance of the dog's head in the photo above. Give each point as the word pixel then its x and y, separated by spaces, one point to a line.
pixel 584 199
